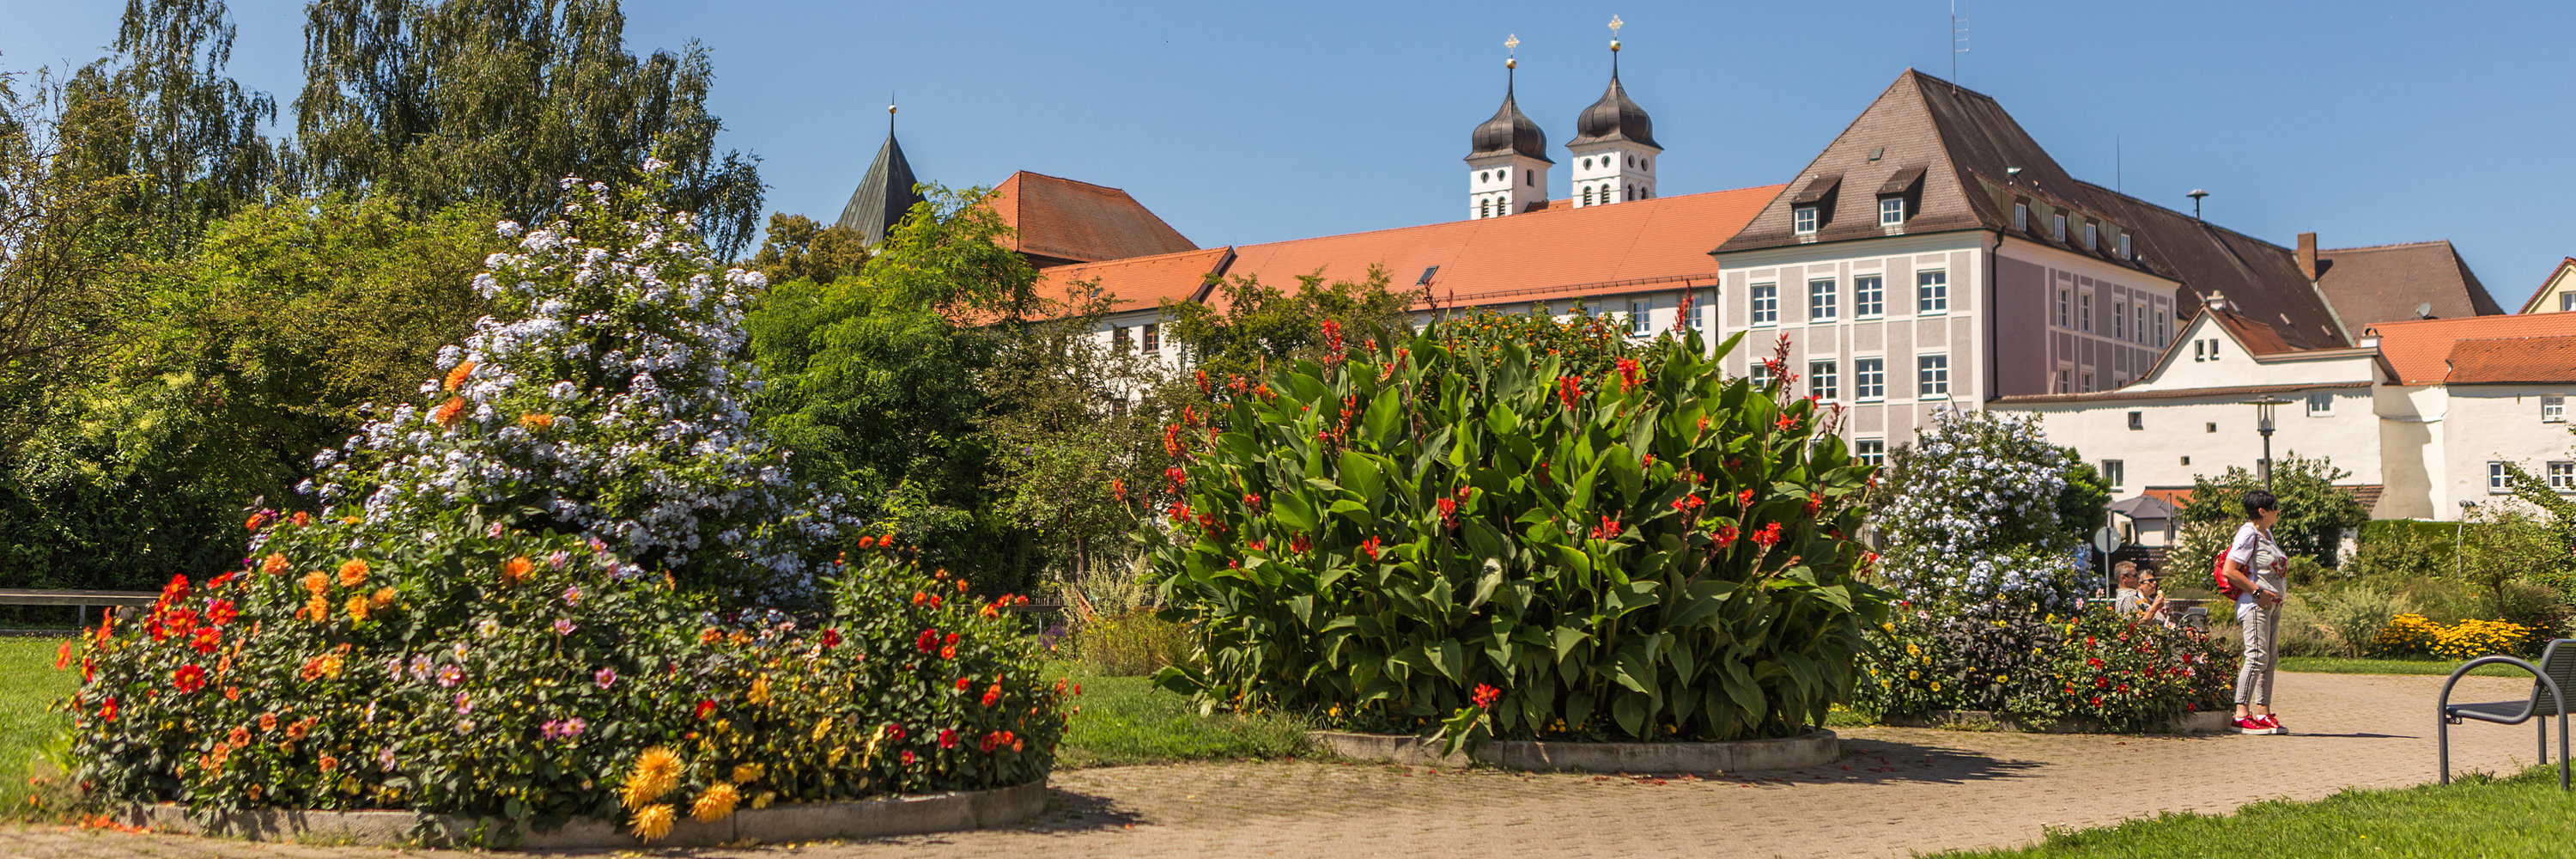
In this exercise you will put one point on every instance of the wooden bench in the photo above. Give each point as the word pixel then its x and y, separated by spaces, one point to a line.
pixel 80 600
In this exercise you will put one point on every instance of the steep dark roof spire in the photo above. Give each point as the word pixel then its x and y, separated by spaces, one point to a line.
pixel 1510 131
pixel 885 194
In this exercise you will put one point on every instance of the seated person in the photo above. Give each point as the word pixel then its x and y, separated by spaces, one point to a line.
pixel 2127 600
pixel 2152 594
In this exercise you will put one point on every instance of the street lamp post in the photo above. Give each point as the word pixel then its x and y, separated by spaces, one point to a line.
pixel 2263 424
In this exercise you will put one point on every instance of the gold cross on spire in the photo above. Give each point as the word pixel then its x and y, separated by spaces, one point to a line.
pixel 1512 44
pixel 1615 24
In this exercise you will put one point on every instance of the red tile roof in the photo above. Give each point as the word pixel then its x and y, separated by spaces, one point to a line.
pixel 2517 360
pixel 1544 255
pixel 1141 282
pixel 2420 351
pixel 1064 221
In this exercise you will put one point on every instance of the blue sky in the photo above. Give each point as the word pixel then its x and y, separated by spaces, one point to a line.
pixel 2365 122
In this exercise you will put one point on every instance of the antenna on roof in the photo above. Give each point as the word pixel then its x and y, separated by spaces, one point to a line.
pixel 1958 44
pixel 2195 196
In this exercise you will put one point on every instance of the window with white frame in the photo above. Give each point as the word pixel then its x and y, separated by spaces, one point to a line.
pixel 2125 247
pixel 1869 296
pixel 2199 350
pixel 2139 313
pixel 2057 226
pixel 2065 380
pixel 1932 376
pixel 1766 304
pixel 2320 403
pixel 2119 321
pixel 2562 476
pixel 2115 473
pixel 2566 302
pixel 2553 410
pixel 1872 451
pixel 2065 312
pixel 2498 483
pixel 1891 211
pixel 1821 380
pixel 1932 291
pixel 1802 220
pixel 1760 375
pixel 1869 379
pixel 2021 216
pixel 1641 315
pixel 2091 235
pixel 1153 339
pixel 2084 313
pixel 2161 320
pixel 2088 381
pixel 1821 298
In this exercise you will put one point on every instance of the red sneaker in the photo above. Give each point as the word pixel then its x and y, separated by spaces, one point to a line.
pixel 2252 725
pixel 2269 721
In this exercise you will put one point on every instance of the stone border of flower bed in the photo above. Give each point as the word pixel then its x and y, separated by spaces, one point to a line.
pixel 777 824
pixel 2203 722
pixel 1812 749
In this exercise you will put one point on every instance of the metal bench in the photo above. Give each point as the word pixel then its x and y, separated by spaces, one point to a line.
pixel 2556 672
pixel 80 600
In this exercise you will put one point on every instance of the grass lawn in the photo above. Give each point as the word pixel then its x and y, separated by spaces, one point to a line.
pixel 2437 668
pixel 1126 720
pixel 2524 815
pixel 27 727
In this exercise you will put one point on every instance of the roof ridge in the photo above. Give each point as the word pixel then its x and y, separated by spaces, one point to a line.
pixel 2391 245
pixel 1160 257
pixel 1068 181
pixel 1954 85
pixel 2177 213
pixel 1551 211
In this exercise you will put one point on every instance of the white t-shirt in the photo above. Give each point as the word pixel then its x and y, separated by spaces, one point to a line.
pixel 2254 550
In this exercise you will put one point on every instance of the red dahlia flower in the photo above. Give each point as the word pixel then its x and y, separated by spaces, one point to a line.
pixel 189 678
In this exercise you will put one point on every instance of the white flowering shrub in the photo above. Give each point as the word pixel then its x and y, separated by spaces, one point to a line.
pixel 1968 513
pixel 608 405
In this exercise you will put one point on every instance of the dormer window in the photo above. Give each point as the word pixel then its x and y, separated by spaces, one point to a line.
pixel 1802 220
pixel 2057 227
pixel 2125 251
pixel 2021 216
pixel 2090 236
pixel 1891 211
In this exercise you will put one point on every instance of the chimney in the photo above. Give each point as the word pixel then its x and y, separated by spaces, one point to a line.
pixel 2216 300
pixel 2308 255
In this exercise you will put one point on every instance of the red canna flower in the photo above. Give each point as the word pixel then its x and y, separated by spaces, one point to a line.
pixel 1787 420
pixel 1769 535
pixel 1628 374
pixel 1179 512
pixel 1609 529
pixel 1485 696
pixel 1815 502
pixel 1744 498
pixel 1567 390
pixel 1176 476
pixel 1449 512
pixel 1252 500
pixel 1370 546
pixel 1297 543
pixel 1118 488
pixel 1724 535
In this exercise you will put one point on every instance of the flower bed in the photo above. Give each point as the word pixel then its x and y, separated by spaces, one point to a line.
pixel 2095 669
pixel 1455 534
pixel 2412 635
pixel 489 672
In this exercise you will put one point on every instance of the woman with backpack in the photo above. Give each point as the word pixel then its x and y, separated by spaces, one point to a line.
pixel 2254 571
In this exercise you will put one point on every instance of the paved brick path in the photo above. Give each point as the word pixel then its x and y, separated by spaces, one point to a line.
pixel 1900 790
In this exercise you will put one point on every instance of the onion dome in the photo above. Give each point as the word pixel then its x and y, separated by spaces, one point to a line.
pixel 1510 132
pixel 1614 117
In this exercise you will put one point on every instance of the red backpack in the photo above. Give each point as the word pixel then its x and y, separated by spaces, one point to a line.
pixel 2218 570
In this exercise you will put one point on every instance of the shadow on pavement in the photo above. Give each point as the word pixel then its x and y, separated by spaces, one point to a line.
pixel 1882 761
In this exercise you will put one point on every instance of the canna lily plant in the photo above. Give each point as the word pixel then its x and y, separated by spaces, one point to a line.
pixel 1450 533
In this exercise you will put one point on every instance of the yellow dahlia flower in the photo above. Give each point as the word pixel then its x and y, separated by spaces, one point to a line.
pixel 654 821
pixel 714 804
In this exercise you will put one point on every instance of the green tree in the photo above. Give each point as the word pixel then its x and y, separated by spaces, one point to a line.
pixel 162 109
pixel 877 379
pixel 2315 512
pixel 2505 542
pixel 796 247
pixel 230 370
pixel 446 101
pixel 1254 323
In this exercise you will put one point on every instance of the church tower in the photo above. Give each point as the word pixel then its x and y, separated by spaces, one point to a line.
pixel 885 194
pixel 1507 159
pixel 1614 145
